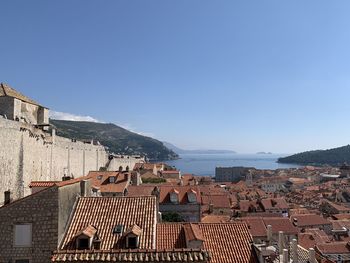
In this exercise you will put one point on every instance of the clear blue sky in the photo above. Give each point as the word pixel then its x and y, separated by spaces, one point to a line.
pixel 243 75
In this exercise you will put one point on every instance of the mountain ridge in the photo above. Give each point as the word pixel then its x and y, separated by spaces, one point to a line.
pixel 116 138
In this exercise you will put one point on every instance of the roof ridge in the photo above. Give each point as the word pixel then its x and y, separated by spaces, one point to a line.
pixel 117 197
pixel 11 92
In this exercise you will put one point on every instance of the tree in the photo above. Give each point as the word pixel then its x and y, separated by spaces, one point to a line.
pixel 172 217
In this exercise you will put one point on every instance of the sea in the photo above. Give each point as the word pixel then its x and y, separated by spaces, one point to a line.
pixel 204 164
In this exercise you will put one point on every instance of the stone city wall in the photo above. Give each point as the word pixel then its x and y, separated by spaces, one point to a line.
pixel 29 154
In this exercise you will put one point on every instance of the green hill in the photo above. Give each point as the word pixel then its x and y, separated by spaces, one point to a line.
pixel 117 139
pixel 335 156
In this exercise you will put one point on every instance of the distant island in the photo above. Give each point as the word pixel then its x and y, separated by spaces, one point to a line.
pixel 264 153
pixel 335 156
pixel 182 151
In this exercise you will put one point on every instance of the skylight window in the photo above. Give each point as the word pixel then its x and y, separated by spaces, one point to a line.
pixel 118 229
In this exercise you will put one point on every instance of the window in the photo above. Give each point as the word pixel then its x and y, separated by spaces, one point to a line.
pixel 192 198
pixel 173 198
pixel 112 179
pixel 118 229
pixel 132 242
pixel 23 235
pixel 83 243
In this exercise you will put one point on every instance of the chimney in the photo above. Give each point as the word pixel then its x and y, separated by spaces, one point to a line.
pixel 83 188
pixel 312 255
pixel 280 242
pixel 269 233
pixel 285 255
pixel 7 199
pixel 211 208
pixel 53 135
pixel 156 191
pixel 295 250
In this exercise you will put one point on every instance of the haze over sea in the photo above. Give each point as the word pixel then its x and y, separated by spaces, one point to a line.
pixel 204 164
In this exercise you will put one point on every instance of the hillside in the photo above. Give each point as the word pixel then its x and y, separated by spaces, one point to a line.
pixel 117 139
pixel 335 156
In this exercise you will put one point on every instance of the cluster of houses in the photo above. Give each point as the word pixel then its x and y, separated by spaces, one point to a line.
pixel 124 216
pixel 152 213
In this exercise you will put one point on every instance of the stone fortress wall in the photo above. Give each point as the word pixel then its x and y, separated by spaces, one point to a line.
pixel 30 154
pixel 123 162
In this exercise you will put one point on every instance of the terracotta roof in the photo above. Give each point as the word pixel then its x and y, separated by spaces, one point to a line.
pixel 226 242
pixel 171 172
pixel 274 203
pixel 280 224
pixel 182 192
pixel 148 166
pixel 135 229
pixel 212 189
pixel 105 213
pixel 218 201
pixel 42 183
pixel 140 190
pixel 102 181
pixel 88 231
pixel 59 184
pixel 149 174
pixel 306 220
pixel 339 208
pixel 170 236
pixel 72 181
pixel 341 216
pixel 175 255
pixel 247 206
pixel 215 219
pixel 340 224
pixel 192 232
pixel 258 225
pixel 334 248
pixel 306 240
pixel 6 90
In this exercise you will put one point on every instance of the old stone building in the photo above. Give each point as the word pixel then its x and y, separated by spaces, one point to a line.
pixel 231 174
pixel 32 227
pixel 15 106
pixel 29 153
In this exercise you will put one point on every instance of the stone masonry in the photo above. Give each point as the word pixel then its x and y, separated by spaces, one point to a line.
pixel 30 154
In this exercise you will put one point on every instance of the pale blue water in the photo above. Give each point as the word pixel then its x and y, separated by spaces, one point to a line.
pixel 204 164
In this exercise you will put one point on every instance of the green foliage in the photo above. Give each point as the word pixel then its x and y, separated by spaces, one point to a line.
pixel 336 156
pixel 117 139
pixel 153 180
pixel 172 217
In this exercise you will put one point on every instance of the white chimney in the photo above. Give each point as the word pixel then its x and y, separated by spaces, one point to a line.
pixel 269 233
pixel 285 255
pixel 53 135
pixel 280 242
pixel 312 255
pixel 295 250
